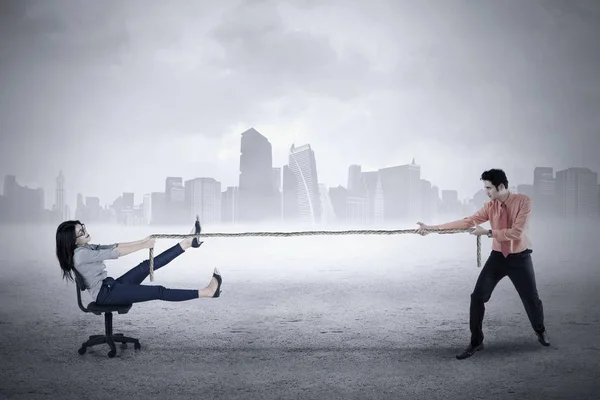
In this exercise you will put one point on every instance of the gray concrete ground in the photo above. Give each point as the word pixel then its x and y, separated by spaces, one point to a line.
pixel 328 318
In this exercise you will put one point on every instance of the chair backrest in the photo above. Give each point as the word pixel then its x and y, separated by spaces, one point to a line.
pixel 80 287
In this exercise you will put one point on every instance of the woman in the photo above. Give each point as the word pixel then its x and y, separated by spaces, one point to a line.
pixel 76 254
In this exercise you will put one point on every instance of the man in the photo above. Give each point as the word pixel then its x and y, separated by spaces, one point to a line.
pixel 508 214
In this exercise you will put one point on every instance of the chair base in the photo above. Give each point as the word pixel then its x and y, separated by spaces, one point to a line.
pixel 111 341
pixel 109 338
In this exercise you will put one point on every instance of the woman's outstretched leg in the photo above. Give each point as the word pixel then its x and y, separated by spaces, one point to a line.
pixel 137 274
pixel 125 293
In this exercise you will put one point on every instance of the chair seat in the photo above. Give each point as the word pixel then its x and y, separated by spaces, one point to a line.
pixel 96 308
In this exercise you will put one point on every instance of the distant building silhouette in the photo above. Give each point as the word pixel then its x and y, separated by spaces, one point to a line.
pixel 429 200
pixel 278 192
pixel 127 211
pixel 158 204
pixel 4 209
pixel 372 182
pixel 204 197
pixel 23 204
pixel 450 202
pixel 289 187
pixel 128 201
pixel 177 210
pixel 59 202
pixel 357 210
pixel 577 192
pixel 303 165
pixel 338 196
pixel 327 211
pixel 174 189
pixel 257 198
pixel 230 205
pixel 277 179
pixel 356 185
pixel 544 192
pixel 147 207
pixel 93 211
pixel 80 208
pixel 401 191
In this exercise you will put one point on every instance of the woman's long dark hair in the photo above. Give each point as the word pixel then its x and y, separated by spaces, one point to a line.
pixel 65 247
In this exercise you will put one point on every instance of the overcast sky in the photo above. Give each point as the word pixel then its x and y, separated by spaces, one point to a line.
pixel 121 94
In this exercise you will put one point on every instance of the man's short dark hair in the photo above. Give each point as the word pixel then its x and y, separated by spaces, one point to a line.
pixel 496 177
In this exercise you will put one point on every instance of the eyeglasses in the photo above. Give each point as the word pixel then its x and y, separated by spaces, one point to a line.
pixel 82 232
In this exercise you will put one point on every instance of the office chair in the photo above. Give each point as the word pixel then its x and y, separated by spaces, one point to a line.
pixel 109 337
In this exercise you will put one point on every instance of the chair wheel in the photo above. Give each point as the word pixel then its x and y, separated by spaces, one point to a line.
pixel 112 353
pixel 137 346
pixel 82 350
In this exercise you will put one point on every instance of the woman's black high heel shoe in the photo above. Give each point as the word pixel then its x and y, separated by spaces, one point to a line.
pixel 195 242
pixel 219 281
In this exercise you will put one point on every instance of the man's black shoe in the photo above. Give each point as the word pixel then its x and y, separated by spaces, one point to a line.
pixel 543 338
pixel 469 351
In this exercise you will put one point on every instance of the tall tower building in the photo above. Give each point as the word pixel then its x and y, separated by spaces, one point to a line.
pixel 289 201
pixel 204 197
pixel 303 165
pixel 147 209
pixel 544 191
pixel 229 205
pixel 401 191
pixel 356 184
pixel 577 192
pixel 256 191
pixel 59 202
pixel 173 185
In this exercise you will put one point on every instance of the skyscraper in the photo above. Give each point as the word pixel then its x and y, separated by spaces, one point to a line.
pixel 289 184
pixel 577 192
pixel 60 196
pixel 327 212
pixel 257 197
pixel 303 165
pixel 172 184
pixel 204 197
pixel 356 184
pixel 177 210
pixel 147 209
pixel 80 210
pixel 428 200
pixel 158 208
pixel 128 200
pixel 544 191
pixel 229 205
pixel 401 191
pixel 372 183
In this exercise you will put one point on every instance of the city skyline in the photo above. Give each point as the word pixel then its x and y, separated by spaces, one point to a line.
pixel 369 196
pixel 70 195
pixel 131 105
pixel 137 198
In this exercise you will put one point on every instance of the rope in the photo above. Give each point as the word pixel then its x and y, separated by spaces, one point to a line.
pixel 308 233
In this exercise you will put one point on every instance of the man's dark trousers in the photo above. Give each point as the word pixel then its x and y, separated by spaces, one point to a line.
pixel 519 268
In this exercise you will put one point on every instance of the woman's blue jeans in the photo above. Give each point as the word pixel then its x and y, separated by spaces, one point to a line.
pixel 127 289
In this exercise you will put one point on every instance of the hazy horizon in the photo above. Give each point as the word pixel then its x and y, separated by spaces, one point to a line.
pixel 133 92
